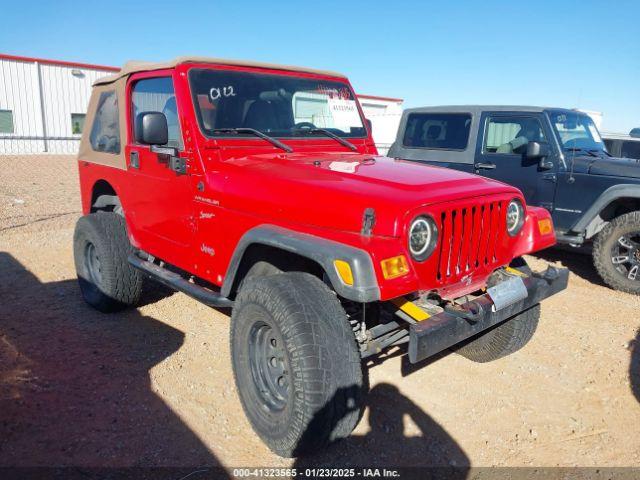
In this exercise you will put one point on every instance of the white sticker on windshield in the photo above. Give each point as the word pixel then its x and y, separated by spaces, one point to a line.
pixel 594 133
pixel 344 113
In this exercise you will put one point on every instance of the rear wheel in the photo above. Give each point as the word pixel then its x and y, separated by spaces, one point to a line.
pixel 296 363
pixel 616 253
pixel 100 249
pixel 503 339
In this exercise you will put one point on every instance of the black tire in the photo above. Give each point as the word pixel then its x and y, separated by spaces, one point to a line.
pixel 308 329
pixel 616 276
pixel 112 284
pixel 502 339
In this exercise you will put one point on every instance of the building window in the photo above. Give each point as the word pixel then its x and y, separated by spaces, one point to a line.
pixel 105 131
pixel 6 121
pixel 77 123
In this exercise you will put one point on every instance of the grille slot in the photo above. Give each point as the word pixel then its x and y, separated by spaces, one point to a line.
pixel 469 239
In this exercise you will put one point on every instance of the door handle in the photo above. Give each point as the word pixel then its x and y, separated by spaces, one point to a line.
pixel 485 166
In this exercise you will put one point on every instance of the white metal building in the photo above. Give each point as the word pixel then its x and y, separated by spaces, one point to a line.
pixel 43 104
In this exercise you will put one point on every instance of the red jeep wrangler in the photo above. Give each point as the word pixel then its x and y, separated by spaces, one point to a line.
pixel 258 187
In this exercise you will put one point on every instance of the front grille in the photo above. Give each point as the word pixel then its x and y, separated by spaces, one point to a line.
pixel 470 238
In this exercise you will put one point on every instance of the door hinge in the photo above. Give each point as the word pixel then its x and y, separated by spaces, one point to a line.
pixel 178 165
pixel 547 206
pixel 134 160
pixel 368 221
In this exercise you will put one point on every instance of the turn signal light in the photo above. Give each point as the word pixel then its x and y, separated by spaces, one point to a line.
pixel 545 226
pixel 344 271
pixel 394 267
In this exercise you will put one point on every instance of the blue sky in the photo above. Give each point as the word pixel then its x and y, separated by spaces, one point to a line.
pixel 582 54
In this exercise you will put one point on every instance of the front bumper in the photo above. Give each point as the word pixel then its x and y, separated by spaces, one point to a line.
pixel 445 329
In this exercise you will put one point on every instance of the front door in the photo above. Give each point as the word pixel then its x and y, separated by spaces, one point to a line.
pixel 161 198
pixel 501 155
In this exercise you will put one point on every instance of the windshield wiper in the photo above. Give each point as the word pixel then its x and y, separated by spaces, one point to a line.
pixel 588 152
pixel 328 133
pixel 257 133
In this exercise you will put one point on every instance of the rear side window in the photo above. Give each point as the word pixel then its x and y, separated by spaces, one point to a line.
pixel 105 132
pixel 444 131
pixel 630 150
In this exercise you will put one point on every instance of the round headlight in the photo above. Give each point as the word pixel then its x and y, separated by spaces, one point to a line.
pixel 515 217
pixel 423 237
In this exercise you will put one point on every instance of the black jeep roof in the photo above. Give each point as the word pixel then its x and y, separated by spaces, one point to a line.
pixel 483 108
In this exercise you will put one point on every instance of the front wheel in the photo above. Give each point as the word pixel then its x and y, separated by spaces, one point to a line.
pixel 295 362
pixel 616 253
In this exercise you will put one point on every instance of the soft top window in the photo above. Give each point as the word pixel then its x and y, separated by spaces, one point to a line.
pixel 105 132
pixel 445 131
pixel 278 105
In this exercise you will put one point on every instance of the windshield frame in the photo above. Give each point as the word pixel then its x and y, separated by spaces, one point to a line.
pixel 551 113
pixel 271 72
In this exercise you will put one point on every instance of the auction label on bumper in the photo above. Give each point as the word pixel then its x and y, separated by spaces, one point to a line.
pixel 507 293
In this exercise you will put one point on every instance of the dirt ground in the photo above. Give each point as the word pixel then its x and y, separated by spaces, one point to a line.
pixel 153 386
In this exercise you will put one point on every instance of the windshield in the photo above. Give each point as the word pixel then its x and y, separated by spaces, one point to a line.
pixel 277 105
pixel 576 130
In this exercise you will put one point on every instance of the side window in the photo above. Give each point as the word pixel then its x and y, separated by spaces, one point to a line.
pixel 444 131
pixel 157 95
pixel 105 132
pixel 510 135
pixel 630 149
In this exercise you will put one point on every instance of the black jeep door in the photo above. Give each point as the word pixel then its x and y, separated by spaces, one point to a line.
pixel 501 154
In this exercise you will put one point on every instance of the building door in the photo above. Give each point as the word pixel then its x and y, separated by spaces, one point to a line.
pixel 160 199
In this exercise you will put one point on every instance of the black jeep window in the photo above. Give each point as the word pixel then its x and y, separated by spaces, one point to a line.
pixel 447 131
pixel 105 132
pixel 630 149
pixel 510 135
pixel 157 95
pixel 278 105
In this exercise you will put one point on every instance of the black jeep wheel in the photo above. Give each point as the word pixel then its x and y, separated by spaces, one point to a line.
pixel 100 249
pixel 295 362
pixel 616 253
pixel 503 339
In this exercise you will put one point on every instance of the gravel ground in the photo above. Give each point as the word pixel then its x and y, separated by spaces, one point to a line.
pixel 153 386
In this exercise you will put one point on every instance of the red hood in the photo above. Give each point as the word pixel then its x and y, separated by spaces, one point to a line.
pixel 333 190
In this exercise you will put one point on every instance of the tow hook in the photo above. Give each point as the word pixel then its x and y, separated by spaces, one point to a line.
pixel 550 274
pixel 472 313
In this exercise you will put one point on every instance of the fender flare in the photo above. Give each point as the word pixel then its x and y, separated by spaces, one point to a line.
pixel 322 251
pixel 609 195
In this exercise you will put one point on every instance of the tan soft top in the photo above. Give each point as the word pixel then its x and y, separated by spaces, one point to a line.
pixel 136 66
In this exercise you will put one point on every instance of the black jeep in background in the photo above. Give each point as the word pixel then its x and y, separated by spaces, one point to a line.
pixel 559 161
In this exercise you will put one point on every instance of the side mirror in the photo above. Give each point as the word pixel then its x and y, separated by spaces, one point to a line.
pixel 537 150
pixel 152 128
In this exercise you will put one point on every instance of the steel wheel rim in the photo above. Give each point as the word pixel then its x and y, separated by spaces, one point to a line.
pixel 625 256
pixel 92 261
pixel 269 366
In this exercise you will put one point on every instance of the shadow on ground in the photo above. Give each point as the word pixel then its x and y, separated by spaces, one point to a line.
pixel 580 264
pixel 387 444
pixel 75 391
pixel 74 383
